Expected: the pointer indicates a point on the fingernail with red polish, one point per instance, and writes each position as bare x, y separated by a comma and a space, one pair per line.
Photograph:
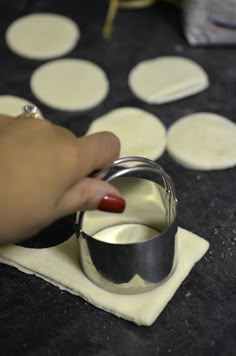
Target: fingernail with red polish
112, 203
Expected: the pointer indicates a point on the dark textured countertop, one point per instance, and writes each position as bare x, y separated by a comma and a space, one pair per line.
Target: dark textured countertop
37, 318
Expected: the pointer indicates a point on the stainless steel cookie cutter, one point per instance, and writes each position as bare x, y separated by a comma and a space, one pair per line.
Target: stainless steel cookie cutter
131, 252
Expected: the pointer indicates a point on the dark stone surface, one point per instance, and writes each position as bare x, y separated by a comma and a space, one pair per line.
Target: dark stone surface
38, 319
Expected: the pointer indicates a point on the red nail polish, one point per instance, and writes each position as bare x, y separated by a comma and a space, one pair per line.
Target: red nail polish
112, 204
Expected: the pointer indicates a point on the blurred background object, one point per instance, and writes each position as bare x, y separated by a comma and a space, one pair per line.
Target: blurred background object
210, 22
205, 22
115, 5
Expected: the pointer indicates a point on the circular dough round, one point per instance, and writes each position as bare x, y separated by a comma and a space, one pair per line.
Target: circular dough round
164, 79
42, 36
204, 141
12, 105
141, 133
69, 84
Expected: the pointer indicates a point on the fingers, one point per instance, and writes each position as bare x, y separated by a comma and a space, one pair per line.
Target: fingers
96, 152
90, 194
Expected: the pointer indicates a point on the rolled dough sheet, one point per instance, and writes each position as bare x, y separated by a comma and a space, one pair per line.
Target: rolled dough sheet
12, 105
204, 141
140, 132
59, 265
165, 79
70, 84
42, 35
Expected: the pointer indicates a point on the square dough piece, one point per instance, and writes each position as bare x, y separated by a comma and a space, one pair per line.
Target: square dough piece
61, 268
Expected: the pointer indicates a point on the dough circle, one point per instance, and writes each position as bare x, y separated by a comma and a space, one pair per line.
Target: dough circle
12, 105
69, 84
164, 79
42, 36
140, 132
204, 141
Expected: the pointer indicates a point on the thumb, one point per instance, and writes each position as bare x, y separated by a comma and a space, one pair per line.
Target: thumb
91, 194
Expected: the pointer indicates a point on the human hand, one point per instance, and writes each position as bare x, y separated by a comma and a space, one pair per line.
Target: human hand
44, 172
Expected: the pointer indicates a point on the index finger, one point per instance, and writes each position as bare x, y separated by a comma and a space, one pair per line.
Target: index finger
97, 151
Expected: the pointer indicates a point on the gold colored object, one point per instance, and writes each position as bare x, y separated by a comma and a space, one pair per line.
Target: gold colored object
29, 112
135, 4
114, 5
